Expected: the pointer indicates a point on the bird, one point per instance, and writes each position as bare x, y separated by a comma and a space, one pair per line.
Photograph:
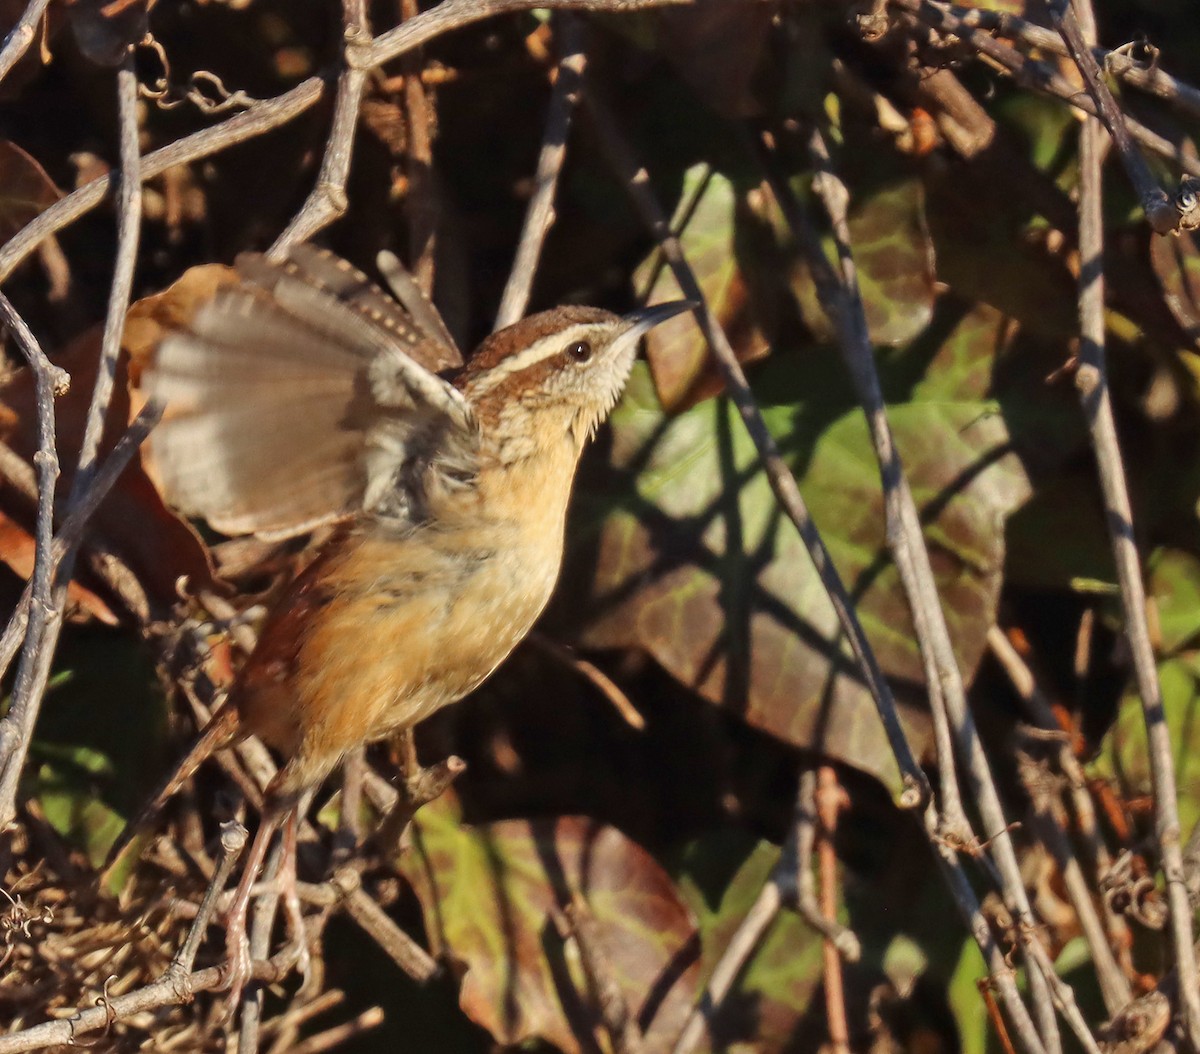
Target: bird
303, 395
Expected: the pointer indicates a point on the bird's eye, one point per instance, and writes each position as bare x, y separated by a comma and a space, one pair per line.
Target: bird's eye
580, 351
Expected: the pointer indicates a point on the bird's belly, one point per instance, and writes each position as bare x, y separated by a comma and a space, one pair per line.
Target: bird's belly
392, 649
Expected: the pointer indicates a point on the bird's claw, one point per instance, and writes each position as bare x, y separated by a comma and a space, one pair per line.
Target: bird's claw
296, 927
237, 968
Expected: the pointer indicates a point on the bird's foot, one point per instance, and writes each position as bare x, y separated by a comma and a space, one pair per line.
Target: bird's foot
295, 918
238, 965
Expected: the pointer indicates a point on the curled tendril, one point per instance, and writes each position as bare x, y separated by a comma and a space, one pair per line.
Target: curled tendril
205, 90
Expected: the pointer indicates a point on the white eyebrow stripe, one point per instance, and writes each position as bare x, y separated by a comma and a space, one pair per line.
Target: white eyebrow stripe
543, 349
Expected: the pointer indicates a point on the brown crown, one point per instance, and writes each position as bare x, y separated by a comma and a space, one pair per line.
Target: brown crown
521, 335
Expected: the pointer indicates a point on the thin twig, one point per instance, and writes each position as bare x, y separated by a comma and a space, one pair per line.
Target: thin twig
790, 882
34, 669
621, 1025
1113, 985
420, 206
604, 684
1091, 379
261, 117
327, 201
21, 36
266, 907
71, 532
1039, 76
398, 945
167, 991
233, 841
636, 181
1000, 972
837, 299
1039, 783
539, 216
738, 952
828, 806
338, 1035
906, 541
1064, 999
1145, 77
1162, 214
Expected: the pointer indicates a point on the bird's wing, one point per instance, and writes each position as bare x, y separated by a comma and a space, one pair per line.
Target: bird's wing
296, 398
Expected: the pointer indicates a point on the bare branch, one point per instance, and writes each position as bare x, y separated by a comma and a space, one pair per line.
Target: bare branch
1145, 77
233, 841
907, 544
167, 991
636, 182
21, 35
271, 113
70, 535
420, 204
16, 731
790, 883
375, 922
539, 217
1091, 379
1039, 76
328, 201
1160, 210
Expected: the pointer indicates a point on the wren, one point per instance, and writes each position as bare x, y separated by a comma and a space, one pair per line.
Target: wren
305, 395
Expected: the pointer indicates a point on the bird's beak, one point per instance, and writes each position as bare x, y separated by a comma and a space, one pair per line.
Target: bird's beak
645, 319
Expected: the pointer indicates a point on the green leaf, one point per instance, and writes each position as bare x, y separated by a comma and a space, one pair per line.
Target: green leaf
1174, 586
489, 894
774, 992
895, 260
715, 222
71, 806
694, 562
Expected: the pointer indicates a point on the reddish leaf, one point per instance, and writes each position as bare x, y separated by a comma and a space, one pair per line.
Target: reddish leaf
489, 895
17, 550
